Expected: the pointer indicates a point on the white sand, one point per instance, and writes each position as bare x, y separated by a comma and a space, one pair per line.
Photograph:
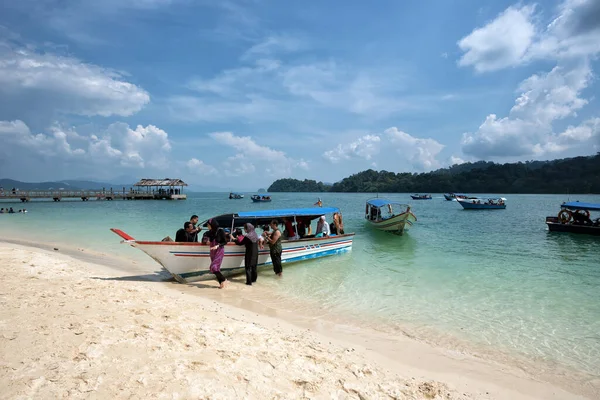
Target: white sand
67, 331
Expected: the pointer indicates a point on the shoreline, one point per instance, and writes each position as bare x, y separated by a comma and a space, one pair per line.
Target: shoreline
462, 373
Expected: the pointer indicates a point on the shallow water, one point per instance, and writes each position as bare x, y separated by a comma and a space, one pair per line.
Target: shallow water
494, 279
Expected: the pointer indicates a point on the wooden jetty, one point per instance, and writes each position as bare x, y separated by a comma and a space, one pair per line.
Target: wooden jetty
145, 189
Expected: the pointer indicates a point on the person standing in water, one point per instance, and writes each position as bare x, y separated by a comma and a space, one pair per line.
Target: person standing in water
250, 240
274, 239
216, 237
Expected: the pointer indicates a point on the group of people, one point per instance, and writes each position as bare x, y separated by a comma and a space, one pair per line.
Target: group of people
217, 238
11, 211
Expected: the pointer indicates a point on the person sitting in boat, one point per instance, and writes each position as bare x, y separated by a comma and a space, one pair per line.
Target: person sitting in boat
581, 218
301, 228
11, 211
290, 230
319, 203
2, 210
185, 234
337, 226
322, 228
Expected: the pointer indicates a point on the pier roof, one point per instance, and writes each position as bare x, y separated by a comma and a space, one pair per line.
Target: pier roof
160, 182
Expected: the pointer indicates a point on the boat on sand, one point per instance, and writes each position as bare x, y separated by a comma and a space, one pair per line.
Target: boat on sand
189, 262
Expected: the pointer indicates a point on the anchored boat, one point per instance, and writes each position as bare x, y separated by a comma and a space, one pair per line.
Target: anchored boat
483, 204
421, 196
235, 196
261, 198
574, 217
189, 262
389, 216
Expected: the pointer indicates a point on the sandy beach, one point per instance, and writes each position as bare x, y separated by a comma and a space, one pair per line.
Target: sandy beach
77, 329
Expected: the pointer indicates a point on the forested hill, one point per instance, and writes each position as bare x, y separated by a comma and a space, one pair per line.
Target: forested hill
295, 185
571, 175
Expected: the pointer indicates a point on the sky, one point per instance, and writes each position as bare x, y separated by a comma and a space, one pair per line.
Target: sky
237, 93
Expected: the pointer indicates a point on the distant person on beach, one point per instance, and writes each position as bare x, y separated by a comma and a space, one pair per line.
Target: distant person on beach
197, 229
250, 240
218, 241
322, 228
274, 239
185, 234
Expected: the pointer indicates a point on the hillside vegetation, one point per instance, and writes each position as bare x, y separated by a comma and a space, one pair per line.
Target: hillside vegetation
570, 175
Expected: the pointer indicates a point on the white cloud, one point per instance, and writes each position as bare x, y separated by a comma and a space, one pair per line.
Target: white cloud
46, 83
422, 153
571, 39
275, 44
528, 129
266, 86
364, 147
388, 147
117, 148
516, 37
199, 167
252, 157
501, 43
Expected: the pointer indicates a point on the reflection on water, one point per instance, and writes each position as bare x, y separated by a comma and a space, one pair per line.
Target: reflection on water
493, 278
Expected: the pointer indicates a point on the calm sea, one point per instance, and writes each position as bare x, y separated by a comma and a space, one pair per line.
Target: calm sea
494, 280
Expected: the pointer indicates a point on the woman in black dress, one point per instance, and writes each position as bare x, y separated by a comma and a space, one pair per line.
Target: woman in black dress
250, 240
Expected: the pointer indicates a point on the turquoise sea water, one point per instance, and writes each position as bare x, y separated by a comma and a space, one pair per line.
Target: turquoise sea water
491, 279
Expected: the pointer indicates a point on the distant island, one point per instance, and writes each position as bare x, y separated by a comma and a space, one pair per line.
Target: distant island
569, 175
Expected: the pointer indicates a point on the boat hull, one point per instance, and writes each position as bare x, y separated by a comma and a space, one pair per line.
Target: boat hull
554, 225
261, 201
421, 198
190, 262
469, 205
398, 224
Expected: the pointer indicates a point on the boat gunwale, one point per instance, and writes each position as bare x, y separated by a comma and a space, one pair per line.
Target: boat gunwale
160, 243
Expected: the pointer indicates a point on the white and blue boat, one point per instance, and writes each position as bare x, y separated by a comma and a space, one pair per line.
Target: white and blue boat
235, 196
483, 203
190, 262
389, 216
574, 217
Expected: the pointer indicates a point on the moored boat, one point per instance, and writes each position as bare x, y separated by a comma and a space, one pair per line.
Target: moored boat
456, 196
389, 216
477, 203
235, 196
421, 196
574, 217
190, 262
261, 198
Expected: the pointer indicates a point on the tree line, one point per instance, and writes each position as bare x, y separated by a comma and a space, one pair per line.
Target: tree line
570, 175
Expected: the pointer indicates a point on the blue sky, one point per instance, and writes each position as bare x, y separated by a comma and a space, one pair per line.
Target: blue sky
238, 93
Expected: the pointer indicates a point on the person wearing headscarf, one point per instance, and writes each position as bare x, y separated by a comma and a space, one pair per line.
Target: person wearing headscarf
217, 242
273, 237
322, 228
250, 240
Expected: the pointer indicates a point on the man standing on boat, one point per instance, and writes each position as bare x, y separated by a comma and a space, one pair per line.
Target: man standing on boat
194, 221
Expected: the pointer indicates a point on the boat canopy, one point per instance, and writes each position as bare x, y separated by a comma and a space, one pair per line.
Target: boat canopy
382, 202
263, 217
262, 194
576, 205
